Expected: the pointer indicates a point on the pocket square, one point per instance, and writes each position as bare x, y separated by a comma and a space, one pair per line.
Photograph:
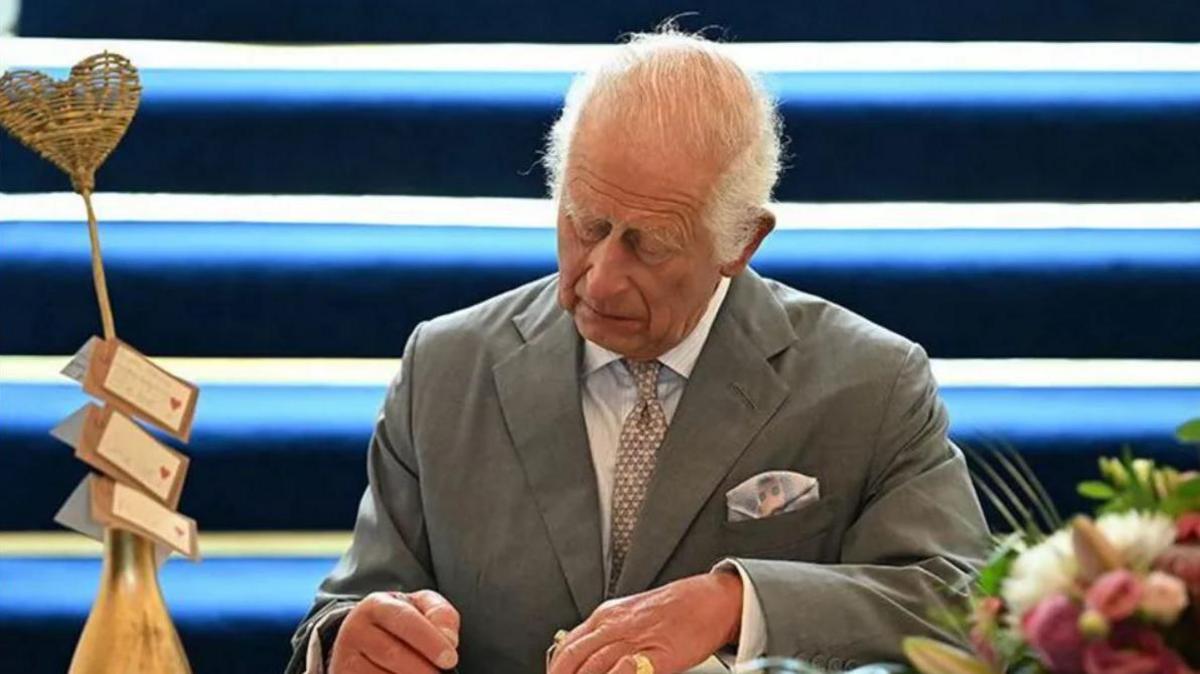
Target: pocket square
771, 493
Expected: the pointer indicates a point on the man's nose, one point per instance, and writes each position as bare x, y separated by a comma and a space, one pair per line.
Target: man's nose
608, 275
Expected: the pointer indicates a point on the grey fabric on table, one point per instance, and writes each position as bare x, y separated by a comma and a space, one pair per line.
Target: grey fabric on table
482, 488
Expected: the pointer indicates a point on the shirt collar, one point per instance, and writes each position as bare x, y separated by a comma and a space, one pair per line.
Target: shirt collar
682, 358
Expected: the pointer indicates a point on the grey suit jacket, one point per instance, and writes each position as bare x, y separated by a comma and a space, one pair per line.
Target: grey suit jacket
482, 486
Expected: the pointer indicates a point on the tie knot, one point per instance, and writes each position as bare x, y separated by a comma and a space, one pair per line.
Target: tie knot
645, 376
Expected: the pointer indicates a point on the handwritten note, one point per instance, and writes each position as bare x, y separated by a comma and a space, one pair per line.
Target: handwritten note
129, 381
140, 456
125, 448
120, 504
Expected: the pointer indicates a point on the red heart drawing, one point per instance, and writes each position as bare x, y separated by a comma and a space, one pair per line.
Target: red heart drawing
175, 403
164, 472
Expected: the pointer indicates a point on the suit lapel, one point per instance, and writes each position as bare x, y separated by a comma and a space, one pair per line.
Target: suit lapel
731, 394
539, 391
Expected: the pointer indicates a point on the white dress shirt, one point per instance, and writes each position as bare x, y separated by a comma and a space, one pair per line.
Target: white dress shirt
609, 395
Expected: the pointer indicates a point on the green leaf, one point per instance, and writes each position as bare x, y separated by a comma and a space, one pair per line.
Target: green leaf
992, 576
1094, 489
1189, 489
1189, 432
1023, 476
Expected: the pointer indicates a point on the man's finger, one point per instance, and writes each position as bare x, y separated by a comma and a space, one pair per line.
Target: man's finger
404, 621
627, 665
359, 663
439, 611
382, 649
575, 650
606, 658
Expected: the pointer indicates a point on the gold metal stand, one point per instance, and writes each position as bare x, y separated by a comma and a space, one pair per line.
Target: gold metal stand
129, 630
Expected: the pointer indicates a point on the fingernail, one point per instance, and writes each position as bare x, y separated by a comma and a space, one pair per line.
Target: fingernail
446, 660
451, 635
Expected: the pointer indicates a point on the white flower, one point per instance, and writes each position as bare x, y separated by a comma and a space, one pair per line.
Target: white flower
1050, 567
1139, 537
1039, 572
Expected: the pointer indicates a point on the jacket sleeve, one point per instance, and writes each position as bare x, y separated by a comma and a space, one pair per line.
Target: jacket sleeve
390, 547
915, 545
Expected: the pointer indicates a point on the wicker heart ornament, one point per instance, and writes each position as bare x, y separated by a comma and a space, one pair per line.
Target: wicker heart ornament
74, 124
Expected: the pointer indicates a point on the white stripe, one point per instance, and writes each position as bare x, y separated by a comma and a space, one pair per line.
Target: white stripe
764, 57
955, 373
276, 544
1056, 373
505, 212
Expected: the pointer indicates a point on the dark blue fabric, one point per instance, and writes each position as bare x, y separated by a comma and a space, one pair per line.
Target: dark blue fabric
983, 136
233, 614
534, 21
308, 444
255, 289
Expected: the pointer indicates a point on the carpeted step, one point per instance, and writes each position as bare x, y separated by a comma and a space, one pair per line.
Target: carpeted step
329, 290
530, 21
854, 135
292, 455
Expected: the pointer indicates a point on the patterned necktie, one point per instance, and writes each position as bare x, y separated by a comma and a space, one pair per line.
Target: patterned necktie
641, 435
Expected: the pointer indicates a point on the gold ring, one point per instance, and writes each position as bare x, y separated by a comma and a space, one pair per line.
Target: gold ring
643, 664
559, 637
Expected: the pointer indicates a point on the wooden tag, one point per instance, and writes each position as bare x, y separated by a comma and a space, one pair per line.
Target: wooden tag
130, 382
116, 445
119, 505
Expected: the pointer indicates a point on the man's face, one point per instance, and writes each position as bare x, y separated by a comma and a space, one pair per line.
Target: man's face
636, 264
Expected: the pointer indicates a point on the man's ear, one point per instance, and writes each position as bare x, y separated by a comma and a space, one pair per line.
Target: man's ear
764, 222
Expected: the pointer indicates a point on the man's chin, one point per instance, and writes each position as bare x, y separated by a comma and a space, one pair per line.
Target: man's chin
618, 338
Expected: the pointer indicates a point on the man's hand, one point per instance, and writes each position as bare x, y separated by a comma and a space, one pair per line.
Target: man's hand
677, 627
395, 633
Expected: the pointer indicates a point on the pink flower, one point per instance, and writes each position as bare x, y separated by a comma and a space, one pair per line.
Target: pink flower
1132, 650
1164, 597
1183, 562
1052, 629
1187, 528
1115, 595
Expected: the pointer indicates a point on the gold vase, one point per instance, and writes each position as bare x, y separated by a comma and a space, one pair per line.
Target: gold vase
129, 630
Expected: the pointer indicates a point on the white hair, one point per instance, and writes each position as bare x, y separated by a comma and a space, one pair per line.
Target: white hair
683, 88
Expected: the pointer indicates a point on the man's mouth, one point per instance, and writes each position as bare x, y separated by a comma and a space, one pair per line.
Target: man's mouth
591, 308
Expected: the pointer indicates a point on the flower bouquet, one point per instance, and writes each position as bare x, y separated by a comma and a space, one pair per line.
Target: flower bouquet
1118, 594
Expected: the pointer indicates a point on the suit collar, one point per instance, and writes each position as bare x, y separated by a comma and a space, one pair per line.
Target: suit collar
539, 390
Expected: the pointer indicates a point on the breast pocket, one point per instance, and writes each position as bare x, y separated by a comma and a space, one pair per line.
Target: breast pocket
795, 535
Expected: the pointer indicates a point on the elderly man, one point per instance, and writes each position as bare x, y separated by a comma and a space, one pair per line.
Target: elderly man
568, 456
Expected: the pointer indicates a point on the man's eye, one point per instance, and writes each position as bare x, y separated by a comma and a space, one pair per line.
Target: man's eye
652, 249
594, 231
